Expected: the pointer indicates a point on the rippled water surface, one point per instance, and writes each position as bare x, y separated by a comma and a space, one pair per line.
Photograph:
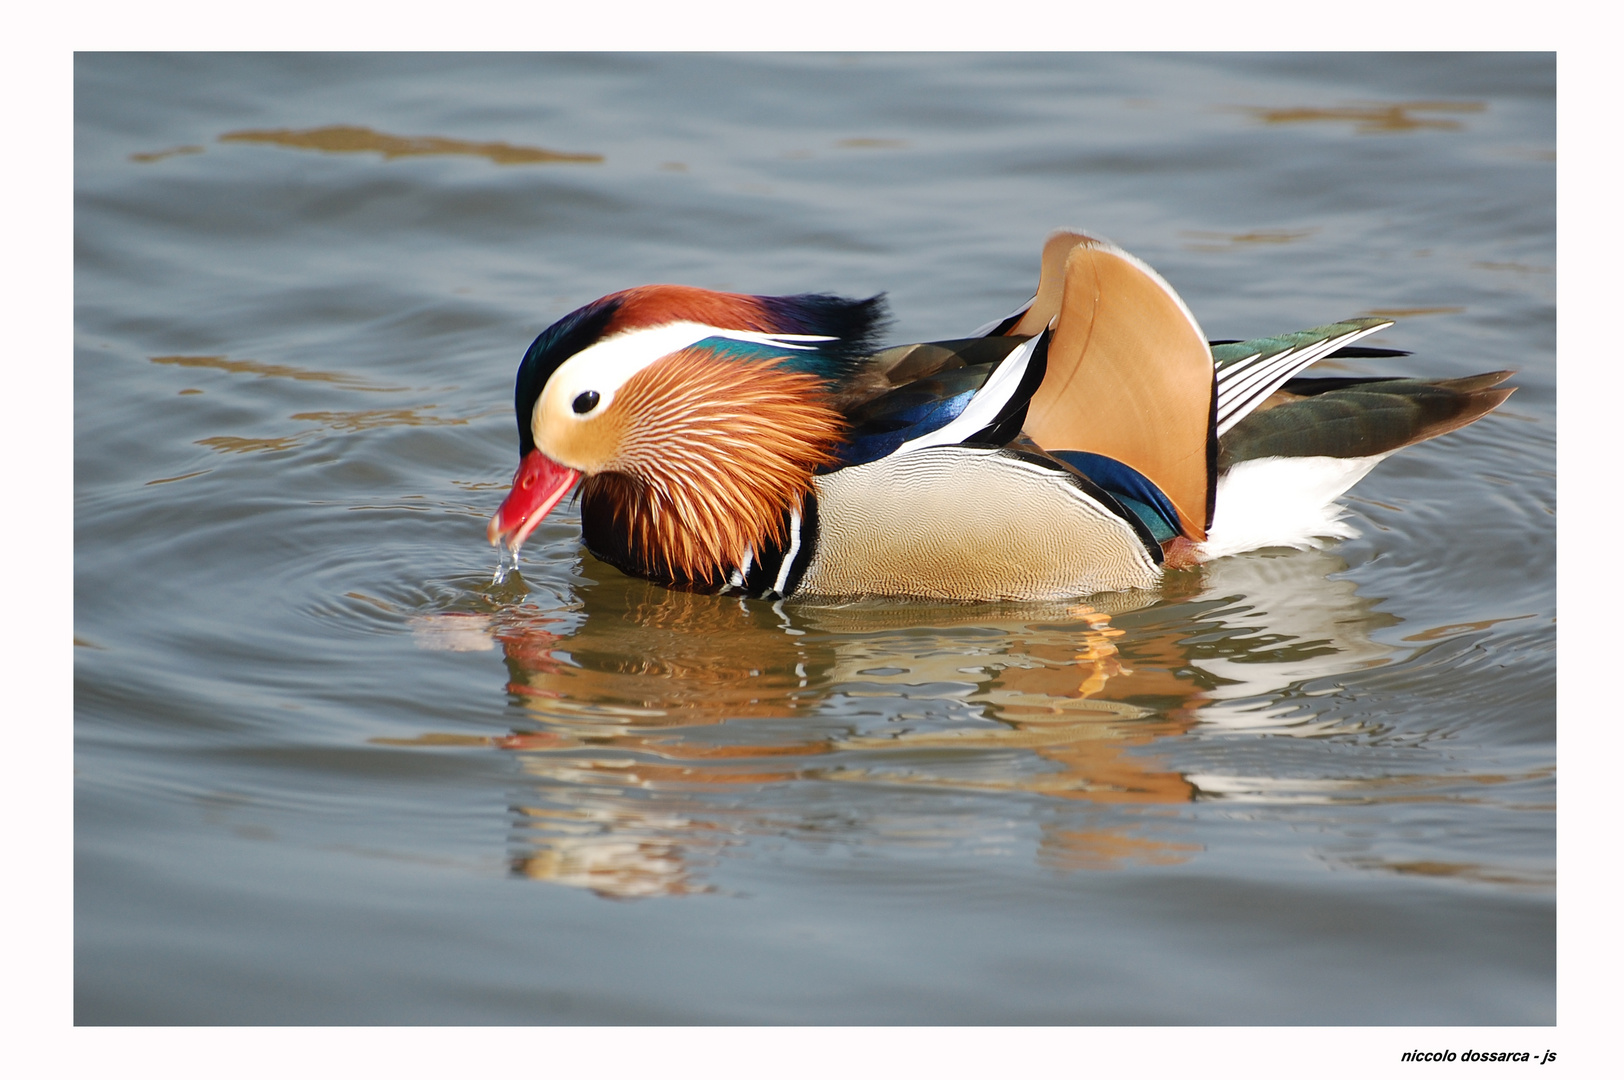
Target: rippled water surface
326, 771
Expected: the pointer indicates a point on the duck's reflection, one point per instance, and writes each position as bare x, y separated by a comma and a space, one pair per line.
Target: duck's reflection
667, 726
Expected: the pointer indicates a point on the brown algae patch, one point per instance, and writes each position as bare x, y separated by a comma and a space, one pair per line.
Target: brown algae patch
232, 444
1221, 241
1411, 312
1375, 118
160, 155
366, 419
172, 479
352, 139
272, 371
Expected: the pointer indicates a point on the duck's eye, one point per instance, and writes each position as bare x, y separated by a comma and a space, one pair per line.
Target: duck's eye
585, 402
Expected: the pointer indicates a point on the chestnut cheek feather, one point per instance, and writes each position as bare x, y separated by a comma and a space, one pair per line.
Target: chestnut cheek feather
718, 452
537, 487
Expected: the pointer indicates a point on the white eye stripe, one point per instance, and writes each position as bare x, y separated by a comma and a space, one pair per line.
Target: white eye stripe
604, 366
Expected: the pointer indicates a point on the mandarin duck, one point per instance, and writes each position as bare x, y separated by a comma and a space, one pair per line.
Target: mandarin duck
763, 445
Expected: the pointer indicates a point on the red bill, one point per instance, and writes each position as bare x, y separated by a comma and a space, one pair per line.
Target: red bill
537, 487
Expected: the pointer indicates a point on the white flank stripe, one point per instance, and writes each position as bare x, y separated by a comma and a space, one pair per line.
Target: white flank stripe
789, 556
985, 406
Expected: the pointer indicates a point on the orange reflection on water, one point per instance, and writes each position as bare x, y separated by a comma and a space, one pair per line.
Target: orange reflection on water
618, 852
1540, 878
352, 139
648, 711
666, 727
1108, 849
1438, 633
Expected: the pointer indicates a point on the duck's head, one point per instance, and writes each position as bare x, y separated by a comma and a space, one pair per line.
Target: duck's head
699, 416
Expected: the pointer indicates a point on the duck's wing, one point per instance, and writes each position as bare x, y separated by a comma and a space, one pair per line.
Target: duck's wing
1131, 379
1129, 374
1250, 371
972, 391
1037, 313
1359, 417
1136, 398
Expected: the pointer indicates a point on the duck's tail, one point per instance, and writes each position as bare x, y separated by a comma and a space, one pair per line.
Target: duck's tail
1282, 467
1248, 454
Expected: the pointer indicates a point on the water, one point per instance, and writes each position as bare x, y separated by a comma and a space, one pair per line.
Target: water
328, 771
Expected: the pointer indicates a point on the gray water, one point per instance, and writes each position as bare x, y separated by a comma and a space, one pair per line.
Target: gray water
327, 772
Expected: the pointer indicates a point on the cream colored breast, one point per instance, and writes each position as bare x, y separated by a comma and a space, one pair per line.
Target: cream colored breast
955, 523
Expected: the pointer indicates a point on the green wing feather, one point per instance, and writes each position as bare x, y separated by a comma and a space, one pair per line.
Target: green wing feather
1349, 418
1231, 353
